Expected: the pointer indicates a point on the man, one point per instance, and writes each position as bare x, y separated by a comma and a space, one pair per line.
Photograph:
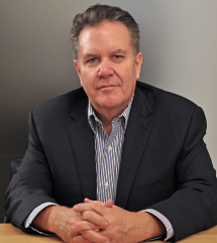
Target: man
119, 160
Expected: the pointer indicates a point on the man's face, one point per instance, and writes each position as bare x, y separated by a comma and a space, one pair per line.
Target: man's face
107, 67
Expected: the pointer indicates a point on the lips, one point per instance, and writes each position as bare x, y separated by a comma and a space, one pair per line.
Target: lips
107, 86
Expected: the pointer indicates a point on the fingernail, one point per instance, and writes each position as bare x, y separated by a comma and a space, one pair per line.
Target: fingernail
76, 207
75, 240
105, 223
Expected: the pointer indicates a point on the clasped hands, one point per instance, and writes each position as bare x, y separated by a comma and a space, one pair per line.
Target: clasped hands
97, 222
101, 222
107, 223
93, 225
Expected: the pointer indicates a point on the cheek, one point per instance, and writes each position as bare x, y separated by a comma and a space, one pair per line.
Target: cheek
84, 80
130, 83
130, 78
88, 78
88, 85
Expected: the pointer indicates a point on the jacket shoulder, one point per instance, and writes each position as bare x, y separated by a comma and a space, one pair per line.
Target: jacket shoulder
165, 99
62, 105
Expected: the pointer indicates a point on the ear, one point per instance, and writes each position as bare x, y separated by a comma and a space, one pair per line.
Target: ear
76, 64
138, 64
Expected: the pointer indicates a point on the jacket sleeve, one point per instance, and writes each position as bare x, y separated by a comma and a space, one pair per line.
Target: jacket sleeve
32, 184
193, 206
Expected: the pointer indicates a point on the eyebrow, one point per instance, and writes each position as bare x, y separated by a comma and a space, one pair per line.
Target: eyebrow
119, 51
88, 55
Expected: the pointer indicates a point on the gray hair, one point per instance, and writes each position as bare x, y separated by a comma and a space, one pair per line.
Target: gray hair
98, 13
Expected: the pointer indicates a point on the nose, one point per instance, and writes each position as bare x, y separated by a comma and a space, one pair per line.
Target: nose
105, 69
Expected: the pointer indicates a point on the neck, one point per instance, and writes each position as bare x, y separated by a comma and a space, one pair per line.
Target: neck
106, 117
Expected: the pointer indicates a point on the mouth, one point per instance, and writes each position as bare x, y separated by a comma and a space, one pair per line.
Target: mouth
107, 86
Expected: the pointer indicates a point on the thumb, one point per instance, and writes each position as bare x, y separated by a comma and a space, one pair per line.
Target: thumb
87, 200
109, 203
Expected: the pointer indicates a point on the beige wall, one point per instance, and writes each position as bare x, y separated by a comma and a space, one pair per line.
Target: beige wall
178, 42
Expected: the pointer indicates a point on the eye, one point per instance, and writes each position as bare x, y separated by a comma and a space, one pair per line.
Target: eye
117, 56
91, 60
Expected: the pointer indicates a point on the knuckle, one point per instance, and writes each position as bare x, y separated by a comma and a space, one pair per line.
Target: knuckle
86, 215
94, 206
86, 234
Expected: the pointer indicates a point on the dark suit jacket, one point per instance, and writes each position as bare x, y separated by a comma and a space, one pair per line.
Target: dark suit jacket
164, 165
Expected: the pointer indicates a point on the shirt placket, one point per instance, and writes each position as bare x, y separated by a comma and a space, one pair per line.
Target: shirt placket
107, 185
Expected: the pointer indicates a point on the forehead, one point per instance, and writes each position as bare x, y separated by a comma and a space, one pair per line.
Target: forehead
105, 35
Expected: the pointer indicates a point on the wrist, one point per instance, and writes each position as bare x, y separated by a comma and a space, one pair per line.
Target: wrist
151, 226
46, 219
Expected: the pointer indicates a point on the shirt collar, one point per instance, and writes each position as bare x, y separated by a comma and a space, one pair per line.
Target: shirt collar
92, 114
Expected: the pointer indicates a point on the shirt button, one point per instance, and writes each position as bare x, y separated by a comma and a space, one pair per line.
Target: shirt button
106, 185
109, 148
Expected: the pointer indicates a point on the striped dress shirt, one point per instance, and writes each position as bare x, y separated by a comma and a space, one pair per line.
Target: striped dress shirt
108, 152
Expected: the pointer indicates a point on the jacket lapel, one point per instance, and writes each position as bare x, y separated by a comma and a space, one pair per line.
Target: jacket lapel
136, 135
82, 142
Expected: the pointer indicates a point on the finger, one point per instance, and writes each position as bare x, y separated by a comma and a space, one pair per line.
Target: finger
95, 219
87, 200
109, 203
74, 230
80, 239
91, 206
91, 236
84, 225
